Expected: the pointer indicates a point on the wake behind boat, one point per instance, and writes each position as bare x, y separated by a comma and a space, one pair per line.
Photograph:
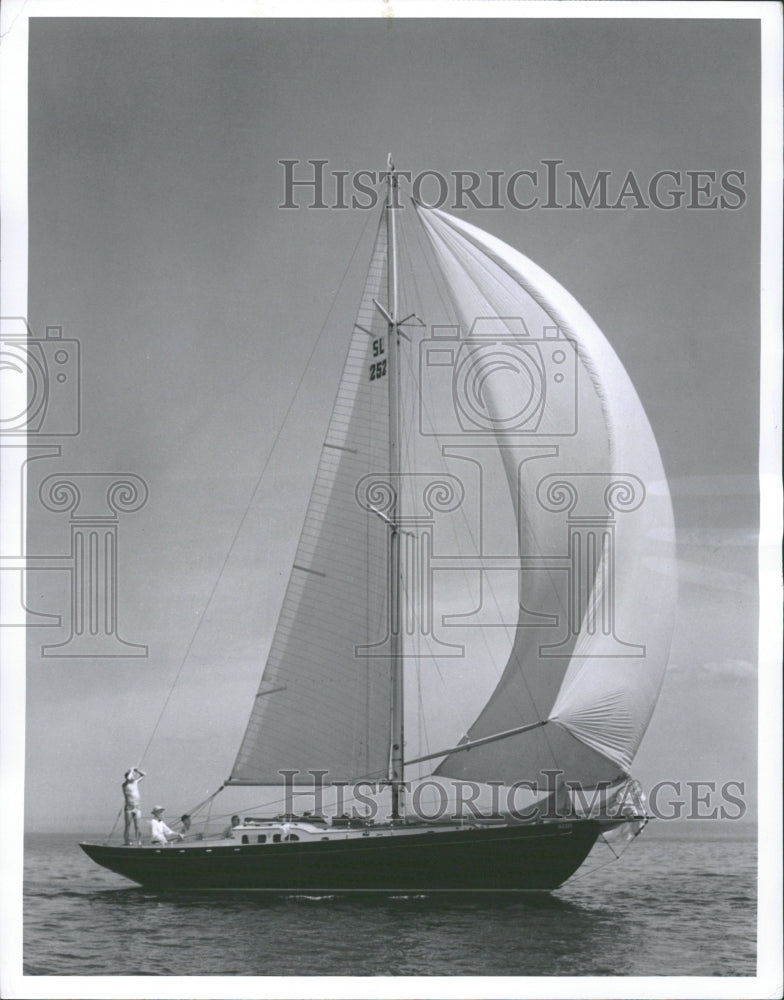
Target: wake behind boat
481, 601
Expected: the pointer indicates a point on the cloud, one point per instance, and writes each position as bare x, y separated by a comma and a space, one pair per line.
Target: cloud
714, 486
715, 669
728, 668
712, 578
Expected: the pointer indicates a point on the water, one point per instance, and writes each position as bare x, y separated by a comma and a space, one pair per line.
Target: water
668, 907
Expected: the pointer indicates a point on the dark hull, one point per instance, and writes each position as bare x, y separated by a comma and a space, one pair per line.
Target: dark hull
535, 857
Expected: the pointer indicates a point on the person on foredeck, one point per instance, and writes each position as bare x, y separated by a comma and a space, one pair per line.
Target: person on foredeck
132, 809
159, 831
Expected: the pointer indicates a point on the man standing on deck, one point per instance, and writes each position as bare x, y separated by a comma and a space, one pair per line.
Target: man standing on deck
133, 812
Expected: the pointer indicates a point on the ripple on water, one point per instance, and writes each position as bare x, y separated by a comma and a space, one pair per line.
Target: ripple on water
663, 909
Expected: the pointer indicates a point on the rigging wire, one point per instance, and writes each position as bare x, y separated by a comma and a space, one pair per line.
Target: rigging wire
616, 856
114, 825
409, 447
410, 443
255, 490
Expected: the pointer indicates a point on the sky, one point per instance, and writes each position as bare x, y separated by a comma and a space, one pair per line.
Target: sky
156, 239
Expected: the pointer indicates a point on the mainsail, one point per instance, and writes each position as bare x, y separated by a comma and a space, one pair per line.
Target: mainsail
321, 706
531, 394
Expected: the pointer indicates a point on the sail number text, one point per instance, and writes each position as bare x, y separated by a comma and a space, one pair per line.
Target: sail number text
378, 369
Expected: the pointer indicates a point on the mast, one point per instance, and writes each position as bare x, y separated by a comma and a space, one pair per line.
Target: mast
397, 721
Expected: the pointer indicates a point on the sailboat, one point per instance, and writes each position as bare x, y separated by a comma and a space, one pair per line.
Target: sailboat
489, 528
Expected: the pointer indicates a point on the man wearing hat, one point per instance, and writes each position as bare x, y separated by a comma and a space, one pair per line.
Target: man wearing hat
160, 833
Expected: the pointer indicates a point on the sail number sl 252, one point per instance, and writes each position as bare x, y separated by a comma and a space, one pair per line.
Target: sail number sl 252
378, 369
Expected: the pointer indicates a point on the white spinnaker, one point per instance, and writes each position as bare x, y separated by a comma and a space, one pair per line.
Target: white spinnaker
597, 684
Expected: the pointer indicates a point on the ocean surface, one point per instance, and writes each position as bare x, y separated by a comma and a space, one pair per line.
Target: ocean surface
667, 907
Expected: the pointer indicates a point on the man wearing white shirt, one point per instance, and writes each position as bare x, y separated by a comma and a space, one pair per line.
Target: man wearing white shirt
159, 831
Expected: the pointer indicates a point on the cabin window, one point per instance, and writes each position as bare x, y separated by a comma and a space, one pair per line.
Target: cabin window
291, 836
325, 838
262, 838
244, 839
275, 838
